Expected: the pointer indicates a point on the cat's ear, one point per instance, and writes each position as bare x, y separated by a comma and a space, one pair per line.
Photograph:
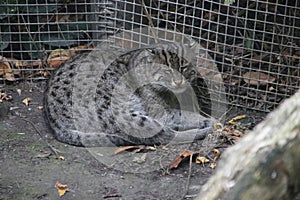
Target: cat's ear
187, 70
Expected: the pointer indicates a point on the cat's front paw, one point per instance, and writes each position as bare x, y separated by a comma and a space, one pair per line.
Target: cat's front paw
207, 123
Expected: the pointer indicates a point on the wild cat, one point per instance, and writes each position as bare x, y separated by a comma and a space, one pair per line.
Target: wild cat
141, 97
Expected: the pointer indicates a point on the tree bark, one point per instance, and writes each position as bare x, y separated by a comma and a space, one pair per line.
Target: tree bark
265, 164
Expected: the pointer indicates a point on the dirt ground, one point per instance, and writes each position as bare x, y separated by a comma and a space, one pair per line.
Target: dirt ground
30, 170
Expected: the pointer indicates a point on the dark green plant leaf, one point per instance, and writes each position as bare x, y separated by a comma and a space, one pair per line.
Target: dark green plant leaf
229, 2
249, 43
4, 41
35, 48
7, 7
68, 36
74, 27
40, 6
57, 41
36, 8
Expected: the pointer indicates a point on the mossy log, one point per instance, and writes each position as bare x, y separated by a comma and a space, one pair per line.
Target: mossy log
265, 164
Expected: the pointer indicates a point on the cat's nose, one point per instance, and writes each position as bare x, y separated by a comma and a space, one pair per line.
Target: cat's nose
178, 82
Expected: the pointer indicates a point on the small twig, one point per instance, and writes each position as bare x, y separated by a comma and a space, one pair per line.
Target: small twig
40, 134
51, 17
188, 178
30, 35
191, 196
165, 170
150, 21
111, 196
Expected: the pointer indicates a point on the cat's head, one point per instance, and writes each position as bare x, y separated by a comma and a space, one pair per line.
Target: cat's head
174, 72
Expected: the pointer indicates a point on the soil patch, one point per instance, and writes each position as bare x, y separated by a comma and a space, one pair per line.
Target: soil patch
29, 169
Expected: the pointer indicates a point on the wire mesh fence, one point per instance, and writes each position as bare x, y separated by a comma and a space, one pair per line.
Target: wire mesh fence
254, 44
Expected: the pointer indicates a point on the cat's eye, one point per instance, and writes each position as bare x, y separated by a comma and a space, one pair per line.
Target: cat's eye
152, 51
193, 72
168, 72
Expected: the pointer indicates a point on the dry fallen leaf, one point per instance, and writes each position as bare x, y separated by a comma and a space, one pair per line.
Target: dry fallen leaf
75, 50
45, 73
218, 126
186, 153
4, 66
8, 98
201, 159
151, 148
125, 148
59, 53
63, 18
234, 119
19, 91
232, 134
271, 88
239, 117
5, 69
15, 62
217, 154
213, 165
61, 158
57, 61
5, 97
62, 189
141, 159
43, 155
180, 158
10, 77
58, 57
26, 101
35, 63
258, 78
18, 64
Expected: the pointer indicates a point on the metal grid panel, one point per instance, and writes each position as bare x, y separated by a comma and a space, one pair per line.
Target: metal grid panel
255, 44
31, 30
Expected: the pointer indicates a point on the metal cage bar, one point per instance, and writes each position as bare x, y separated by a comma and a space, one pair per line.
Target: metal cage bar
255, 44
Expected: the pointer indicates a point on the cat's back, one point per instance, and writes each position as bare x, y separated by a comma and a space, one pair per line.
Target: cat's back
69, 98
